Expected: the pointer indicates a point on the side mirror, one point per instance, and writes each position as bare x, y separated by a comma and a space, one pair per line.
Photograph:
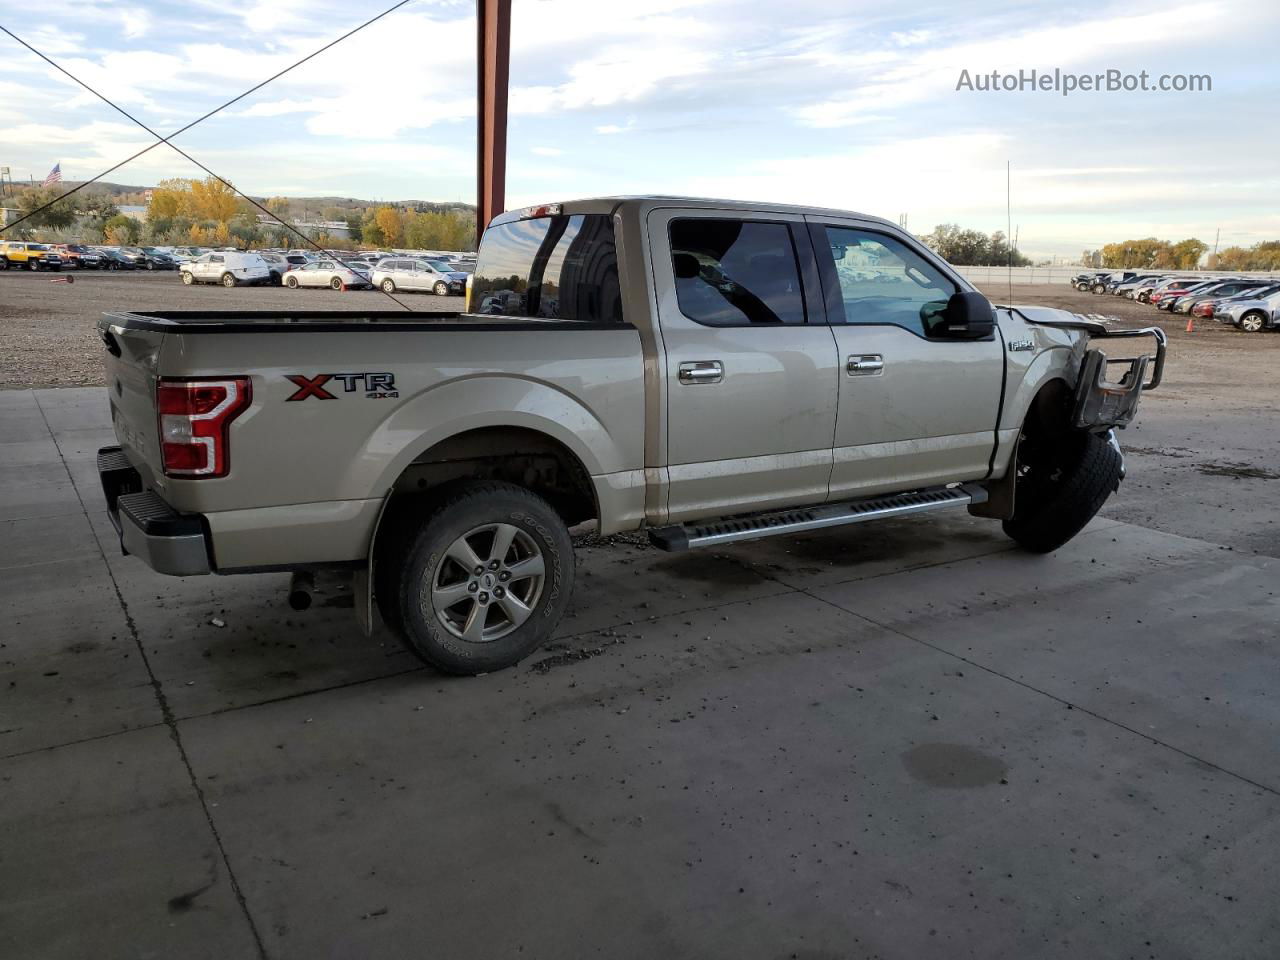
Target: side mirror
967, 316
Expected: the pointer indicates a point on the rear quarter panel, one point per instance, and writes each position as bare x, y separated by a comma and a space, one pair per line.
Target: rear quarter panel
582, 387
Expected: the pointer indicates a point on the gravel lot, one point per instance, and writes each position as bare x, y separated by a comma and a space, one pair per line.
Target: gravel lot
1202, 455
50, 337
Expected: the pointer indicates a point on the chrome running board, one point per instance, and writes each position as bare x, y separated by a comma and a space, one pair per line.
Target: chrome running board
706, 534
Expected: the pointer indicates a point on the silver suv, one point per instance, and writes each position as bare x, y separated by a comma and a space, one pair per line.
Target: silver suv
397, 273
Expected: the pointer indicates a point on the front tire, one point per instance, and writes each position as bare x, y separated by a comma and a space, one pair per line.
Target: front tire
1063, 481
291, 283
484, 580
187, 278
441, 289
1253, 322
335, 283
388, 285
228, 280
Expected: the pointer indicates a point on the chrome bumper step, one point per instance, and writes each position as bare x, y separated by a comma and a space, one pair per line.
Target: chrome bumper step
706, 534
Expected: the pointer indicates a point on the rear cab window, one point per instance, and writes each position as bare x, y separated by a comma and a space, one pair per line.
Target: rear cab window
562, 267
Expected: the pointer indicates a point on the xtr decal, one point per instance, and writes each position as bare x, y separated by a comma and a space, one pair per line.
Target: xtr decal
374, 386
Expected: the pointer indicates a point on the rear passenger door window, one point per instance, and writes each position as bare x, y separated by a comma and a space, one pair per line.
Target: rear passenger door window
731, 273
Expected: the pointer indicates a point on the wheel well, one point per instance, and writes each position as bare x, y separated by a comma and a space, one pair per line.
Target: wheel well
518, 455
1050, 409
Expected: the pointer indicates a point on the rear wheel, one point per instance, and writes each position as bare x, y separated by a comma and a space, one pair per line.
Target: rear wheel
1099, 288
482, 581
1253, 322
228, 280
1063, 479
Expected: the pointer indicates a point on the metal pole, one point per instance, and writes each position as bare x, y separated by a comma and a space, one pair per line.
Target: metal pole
493, 54
1008, 213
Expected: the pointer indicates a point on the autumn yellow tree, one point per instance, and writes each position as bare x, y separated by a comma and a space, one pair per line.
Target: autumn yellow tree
391, 224
214, 200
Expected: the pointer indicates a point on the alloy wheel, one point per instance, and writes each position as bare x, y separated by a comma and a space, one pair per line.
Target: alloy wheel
488, 583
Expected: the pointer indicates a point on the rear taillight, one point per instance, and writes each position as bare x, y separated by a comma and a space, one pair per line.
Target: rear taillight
194, 418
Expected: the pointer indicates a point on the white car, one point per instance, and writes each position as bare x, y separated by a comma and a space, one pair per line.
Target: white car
226, 268
396, 273
327, 273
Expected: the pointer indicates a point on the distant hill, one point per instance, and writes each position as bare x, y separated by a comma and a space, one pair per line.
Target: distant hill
135, 193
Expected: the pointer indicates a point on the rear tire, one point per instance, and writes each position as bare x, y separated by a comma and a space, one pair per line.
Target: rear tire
1063, 481
463, 621
228, 280
1099, 288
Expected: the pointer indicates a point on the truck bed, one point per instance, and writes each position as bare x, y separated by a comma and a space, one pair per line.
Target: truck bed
328, 321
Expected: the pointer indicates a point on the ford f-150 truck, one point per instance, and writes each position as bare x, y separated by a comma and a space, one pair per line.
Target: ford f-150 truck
712, 371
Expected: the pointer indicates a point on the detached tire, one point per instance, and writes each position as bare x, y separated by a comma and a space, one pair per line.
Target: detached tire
482, 581
1060, 490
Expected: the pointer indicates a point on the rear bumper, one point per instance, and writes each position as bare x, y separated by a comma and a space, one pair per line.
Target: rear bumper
165, 540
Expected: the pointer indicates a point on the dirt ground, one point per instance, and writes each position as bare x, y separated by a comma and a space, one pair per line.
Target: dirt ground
50, 337
1202, 455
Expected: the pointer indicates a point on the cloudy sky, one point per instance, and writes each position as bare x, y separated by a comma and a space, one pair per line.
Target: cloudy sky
846, 104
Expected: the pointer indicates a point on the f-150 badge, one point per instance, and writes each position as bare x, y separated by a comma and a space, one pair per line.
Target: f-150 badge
1015, 345
374, 386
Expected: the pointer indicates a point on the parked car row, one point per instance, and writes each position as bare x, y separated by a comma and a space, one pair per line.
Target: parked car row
24, 254
298, 269
1251, 304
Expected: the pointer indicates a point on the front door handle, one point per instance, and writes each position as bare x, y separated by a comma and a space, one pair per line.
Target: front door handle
865, 365
702, 371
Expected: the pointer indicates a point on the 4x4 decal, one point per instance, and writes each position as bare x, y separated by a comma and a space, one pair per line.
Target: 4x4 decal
375, 386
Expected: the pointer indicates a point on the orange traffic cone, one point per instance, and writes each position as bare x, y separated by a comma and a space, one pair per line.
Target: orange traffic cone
1191, 324
62, 279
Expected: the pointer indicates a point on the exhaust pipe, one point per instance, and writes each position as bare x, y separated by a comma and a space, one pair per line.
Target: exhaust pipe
301, 585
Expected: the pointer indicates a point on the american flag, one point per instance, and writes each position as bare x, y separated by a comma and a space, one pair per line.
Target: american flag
54, 175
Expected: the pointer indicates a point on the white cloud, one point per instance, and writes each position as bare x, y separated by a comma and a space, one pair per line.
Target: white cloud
912, 76
546, 151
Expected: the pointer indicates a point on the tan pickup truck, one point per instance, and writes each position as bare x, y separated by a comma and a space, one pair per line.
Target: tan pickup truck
712, 371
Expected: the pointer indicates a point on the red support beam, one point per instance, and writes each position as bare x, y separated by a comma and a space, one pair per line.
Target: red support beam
493, 55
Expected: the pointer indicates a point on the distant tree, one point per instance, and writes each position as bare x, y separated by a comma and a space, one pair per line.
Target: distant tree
391, 225
58, 215
354, 230
121, 230
214, 200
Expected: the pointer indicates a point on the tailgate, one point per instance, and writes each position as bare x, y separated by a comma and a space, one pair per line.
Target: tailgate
132, 359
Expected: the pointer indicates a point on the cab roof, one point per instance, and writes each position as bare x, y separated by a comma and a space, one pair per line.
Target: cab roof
643, 203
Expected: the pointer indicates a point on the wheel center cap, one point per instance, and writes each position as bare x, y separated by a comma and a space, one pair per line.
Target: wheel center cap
488, 580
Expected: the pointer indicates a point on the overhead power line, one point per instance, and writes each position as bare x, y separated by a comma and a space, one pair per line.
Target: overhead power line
168, 140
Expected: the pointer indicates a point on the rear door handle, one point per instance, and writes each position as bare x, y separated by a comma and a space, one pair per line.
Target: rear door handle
702, 371
865, 365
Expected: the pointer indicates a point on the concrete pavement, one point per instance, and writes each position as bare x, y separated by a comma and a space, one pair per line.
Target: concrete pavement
902, 740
